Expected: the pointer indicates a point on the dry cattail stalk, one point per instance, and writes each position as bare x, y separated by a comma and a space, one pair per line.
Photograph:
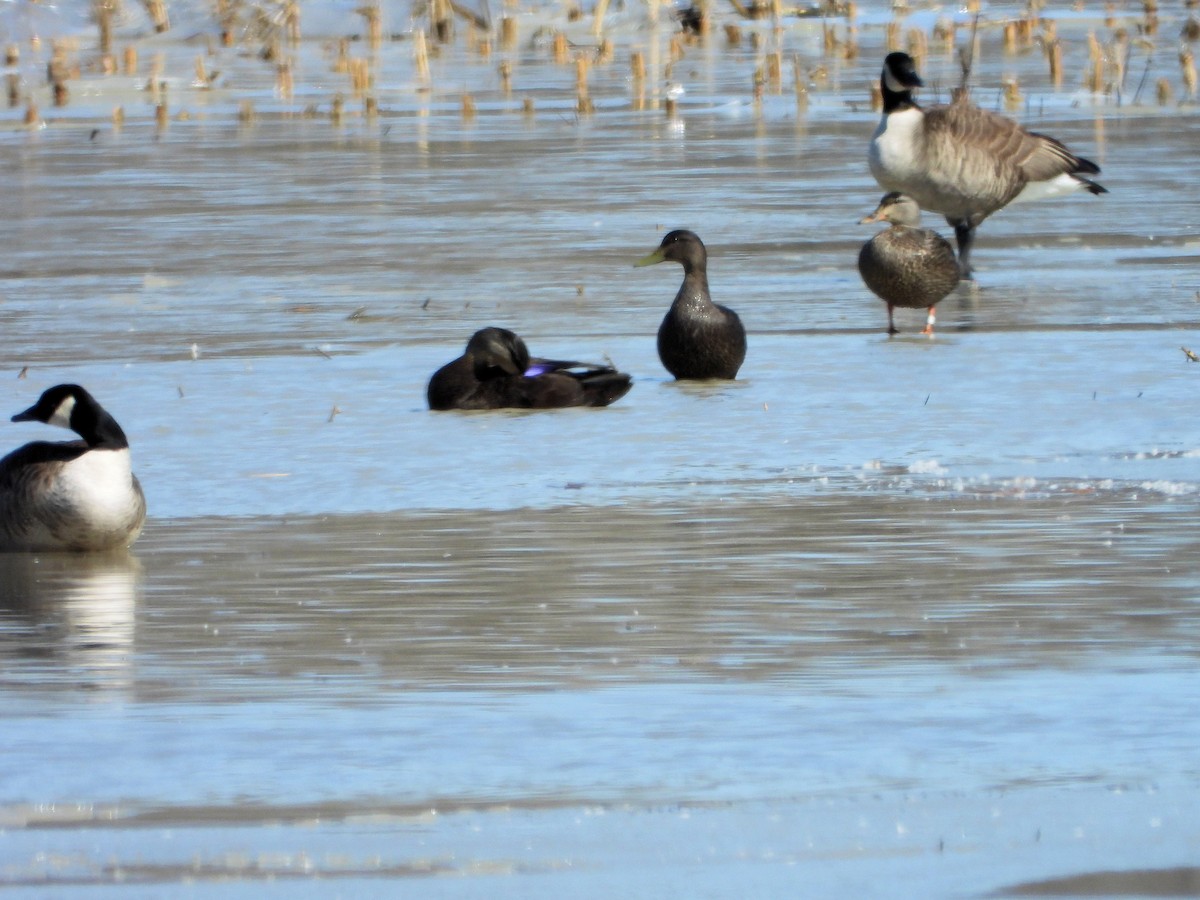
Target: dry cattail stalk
1054, 53
12, 55
800, 84
893, 35
118, 117
420, 55
676, 51
1012, 94
443, 24
850, 44
583, 103
505, 70
508, 33
61, 94
341, 60
1095, 74
13, 84
158, 15
374, 22
59, 68
1163, 90
102, 11
246, 112
201, 73
291, 21
598, 19
733, 35
130, 60
637, 71
527, 107
360, 76
775, 72
561, 48
161, 116
284, 82
918, 46
945, 32
337, 109
370, 108
1187, 62
830, 42
1010, 37
468, 107
876, 97
756, 41
32, 117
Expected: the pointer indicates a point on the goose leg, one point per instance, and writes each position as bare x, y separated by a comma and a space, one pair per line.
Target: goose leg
892, 329
964, 235
929, 320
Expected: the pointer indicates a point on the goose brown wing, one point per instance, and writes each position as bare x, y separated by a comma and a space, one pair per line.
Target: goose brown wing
975, 154
1048, 157
1037, 157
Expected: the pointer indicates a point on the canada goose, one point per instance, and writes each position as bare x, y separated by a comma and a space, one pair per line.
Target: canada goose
906, 265
697, 338
74, 495
962, 161
496, 372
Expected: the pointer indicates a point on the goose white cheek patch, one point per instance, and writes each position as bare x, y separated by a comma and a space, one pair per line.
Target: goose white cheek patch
62, 415
892, 84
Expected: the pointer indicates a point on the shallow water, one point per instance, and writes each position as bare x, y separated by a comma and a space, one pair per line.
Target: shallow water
884, 617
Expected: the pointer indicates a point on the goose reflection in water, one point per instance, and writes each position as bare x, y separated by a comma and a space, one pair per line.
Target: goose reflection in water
69, 618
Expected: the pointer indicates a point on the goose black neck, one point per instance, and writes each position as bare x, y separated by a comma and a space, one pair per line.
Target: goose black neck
98, 429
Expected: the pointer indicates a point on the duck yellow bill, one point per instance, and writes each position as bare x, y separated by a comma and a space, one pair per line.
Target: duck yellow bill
650, 259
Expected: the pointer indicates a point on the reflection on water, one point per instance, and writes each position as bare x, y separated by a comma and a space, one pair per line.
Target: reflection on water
69, 619
732, 591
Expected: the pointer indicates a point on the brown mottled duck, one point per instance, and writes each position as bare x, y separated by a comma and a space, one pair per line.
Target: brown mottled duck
906, 265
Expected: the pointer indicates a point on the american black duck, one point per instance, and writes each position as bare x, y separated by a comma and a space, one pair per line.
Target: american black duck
697, 338
497, 372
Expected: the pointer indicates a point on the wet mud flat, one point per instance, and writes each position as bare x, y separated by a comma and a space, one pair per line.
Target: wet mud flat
917, 695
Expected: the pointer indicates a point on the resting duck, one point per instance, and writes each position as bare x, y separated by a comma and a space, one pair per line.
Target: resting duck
497, 372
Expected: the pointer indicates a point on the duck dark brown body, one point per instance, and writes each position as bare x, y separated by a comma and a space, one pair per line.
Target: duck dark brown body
497, 372
697, 338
